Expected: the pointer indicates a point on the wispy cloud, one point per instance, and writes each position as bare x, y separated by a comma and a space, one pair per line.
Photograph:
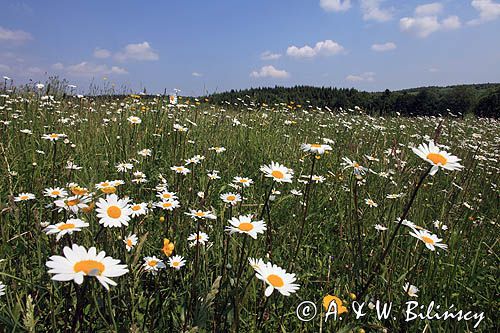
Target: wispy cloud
270, 71
102, 53
88, 69
14, 35
384, 47
196, 74
140, 51
365, 77
372, 11
326, 48
426, 21
335, 5
488, 11
268, 55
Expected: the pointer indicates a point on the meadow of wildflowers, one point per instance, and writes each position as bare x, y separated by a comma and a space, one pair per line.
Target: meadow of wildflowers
148, 214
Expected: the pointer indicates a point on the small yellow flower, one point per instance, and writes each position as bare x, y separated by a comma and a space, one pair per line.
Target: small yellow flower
328, 299
162, 219
108, 189
168, 247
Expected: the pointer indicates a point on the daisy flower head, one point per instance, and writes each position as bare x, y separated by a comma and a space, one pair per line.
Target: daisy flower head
134, 120
137, 209
153, 264
24, 197
256, 263
55, 192
53, 136
144, 152
124, 166
357, 168
371, 203
64, 228
130, 241
165, 195
278, 172
380, 227
315, 148
431, 241
411, 290
176, 262
276, 278
77, 263
73, 204
113, 212
242, 181
230, 198
199, 214
168, 204
180, 169
243, 224
200, 238
437, 158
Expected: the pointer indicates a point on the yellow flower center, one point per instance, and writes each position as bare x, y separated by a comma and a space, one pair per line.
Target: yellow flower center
73, 202
427, 240
199, 214
437, 158
108, 189
79, 191
152, 263
244, 180
245, 226
167, 204
176, 263
231, 198
135, 208
89, 267
278, 174
66, 226
23, 197
129, 242
105, 184
315, 145
55, 192
166, 195
275, 281
114, 212
54, 136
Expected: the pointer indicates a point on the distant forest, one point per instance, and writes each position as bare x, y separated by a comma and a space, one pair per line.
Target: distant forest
482, 100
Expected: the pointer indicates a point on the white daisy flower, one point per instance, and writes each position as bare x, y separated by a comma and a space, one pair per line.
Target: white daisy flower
199, 214
176, 262
278, 172
315, 148
64, 228
73, 204
431, 241
244, 224
243, 181
153, 264
112, 211
411, 290
138, 209
201, 238
24, 197
276, 278
130, 241
55, 192
168, 204
230, 198
78, 263
437, 157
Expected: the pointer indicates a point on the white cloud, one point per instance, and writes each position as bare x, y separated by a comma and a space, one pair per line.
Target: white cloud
372, 11
58, 66
4, 68
425, 21
365, 77
335, 5
14, 35
326, 48
140, 51
270, 71
102, 53
429, 9
90, 69
196, 74
268, 55
384, 47
488, 11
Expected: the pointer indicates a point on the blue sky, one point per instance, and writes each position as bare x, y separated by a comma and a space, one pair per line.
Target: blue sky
218, 45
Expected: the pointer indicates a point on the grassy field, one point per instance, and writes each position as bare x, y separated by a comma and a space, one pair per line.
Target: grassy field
334, 225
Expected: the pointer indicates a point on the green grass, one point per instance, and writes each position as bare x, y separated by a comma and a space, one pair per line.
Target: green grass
329, 260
